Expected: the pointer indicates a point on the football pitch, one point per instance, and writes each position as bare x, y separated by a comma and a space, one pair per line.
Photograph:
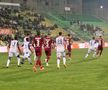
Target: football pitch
91, 74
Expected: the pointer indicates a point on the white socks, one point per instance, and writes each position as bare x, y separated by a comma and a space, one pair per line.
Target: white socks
29, 60
18, 61
8, 62
64, 60
58, 63
86, 55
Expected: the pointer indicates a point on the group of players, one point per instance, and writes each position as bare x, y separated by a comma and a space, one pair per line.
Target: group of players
61, 44
36, 45
95, 45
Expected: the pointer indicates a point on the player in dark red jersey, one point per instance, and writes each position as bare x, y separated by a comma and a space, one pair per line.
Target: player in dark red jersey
47, 47
100, 46
37, 44
68, 45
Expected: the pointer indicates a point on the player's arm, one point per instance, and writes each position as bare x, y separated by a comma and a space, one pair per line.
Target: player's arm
33, 43
18, 47
103, 43
71, 40
54, 43
30, 48
8, 46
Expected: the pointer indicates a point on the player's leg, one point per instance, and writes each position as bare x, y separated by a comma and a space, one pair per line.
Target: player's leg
29, 60
34, 54
48, 55
23, 58
9, 59
69, 51
36, 61
101, 50
58, 59
89, 51
18, 58
97, 53
94, 54
64, 59
8, 62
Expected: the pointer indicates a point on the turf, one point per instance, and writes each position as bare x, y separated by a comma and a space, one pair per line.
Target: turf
91, 74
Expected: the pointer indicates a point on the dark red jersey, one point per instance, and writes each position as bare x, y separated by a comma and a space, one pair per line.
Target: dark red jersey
38, 41
101, 44
47, 43
68, 41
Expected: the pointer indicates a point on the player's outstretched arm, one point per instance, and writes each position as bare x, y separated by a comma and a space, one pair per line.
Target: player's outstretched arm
18, 47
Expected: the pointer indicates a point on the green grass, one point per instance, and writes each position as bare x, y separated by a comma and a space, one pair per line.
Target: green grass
91, 74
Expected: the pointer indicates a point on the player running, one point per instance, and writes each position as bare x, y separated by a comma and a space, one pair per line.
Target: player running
93, 45
26, 51
60, 49
100, 46
13, 50
47, 47
37, 44
68, 45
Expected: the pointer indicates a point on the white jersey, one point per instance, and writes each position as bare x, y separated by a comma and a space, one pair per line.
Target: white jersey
92, 44
13, 45
26, 46
26, 50
60, 43
13, 50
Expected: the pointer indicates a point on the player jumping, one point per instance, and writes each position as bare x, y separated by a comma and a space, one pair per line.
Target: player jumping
27, 51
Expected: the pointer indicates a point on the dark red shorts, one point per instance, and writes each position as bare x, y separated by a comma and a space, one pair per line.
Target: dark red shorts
48, 52
69, 48
38, 51
100, 48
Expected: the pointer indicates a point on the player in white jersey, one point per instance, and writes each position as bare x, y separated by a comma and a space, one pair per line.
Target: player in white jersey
60, 49
13, 50
26, 51
93, 45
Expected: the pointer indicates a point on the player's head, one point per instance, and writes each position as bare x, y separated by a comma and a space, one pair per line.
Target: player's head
16, 38
27, 34
100, 36
93, 38
27, 39
38, 33
42, 34
49, 34
68, 35
60, 33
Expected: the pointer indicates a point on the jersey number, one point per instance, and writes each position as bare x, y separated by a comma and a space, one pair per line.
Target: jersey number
59, 41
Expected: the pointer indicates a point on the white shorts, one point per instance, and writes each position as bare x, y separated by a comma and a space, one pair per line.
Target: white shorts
61, 54
11, 53
26, 54
91, 49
